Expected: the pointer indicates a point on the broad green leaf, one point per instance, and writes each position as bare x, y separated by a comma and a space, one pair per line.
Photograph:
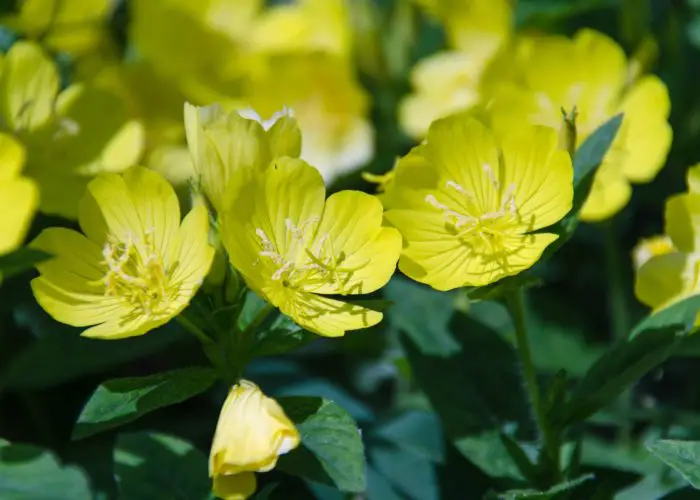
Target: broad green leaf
424, 315
411, 475
488, 451
549, 494
477, 389
620, 367
119, 401
30, 473
682, 456
332, 451
282, 336
679, 317
417, 432
19, 261
60, 355
152, 466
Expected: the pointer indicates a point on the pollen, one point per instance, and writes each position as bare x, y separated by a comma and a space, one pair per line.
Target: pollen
137, 274
309, 260
485, 229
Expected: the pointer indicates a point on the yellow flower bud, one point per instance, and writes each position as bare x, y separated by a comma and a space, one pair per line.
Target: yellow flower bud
253, 431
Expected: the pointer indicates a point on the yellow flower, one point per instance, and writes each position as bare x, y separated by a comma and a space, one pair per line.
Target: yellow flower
252, 432
74, 26
295, 248
70, 136
19, 196
672, 271
200, 46
329, 104
135, 268
588, 72
651, 247
227, 148
304, 26
468, 214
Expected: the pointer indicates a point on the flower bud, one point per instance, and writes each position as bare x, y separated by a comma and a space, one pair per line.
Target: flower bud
253, 431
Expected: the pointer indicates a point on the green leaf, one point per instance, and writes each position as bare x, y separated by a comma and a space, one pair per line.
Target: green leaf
411, 475
589, 156
332, 451
623, 365
417, 432
282, 336
477, 389
152, 466
549, 494
19, 261
488, 451
119, 401
682, 456
679, 317
30, 473
423, 314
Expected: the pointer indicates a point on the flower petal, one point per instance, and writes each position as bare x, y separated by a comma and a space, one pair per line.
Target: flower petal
12, 156
541, 175
19, 199
610, 192
682, 220
325, 316
194, 253
461, 149
234, 486
663, 279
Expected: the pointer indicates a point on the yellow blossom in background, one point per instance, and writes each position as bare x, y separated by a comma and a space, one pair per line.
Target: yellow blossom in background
73, 26
304, 26
227, 148
252, 432
671, 271
590, 73
648, 248
134, 268
468, 218
70, 136
295, 248
19, 196
201, 46
329, 104
451, 81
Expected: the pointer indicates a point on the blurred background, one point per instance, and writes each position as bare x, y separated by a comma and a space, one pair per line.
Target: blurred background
345, 68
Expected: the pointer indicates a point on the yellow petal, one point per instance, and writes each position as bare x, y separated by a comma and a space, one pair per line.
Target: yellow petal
157, 207
226, 149
436, 257
682, 219
285, 138
646, 135
609, 194
693, 178
195, 254
662, 279
28, 87
325, 316
19, 199
234, 486
251, 433
460, 148
12, 156
541, 174
350, 234
123, 327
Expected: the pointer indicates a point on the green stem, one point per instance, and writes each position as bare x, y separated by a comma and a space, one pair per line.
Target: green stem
258, 320
550, 447
619, 317
193, 329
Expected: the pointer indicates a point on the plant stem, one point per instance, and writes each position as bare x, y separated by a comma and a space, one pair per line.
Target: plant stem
193, 329
619, 318
258, 320
550, 447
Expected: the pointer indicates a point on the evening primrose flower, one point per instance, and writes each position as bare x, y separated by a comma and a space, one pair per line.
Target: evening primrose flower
227, 148
588, 73
19, 195
651, 247
70, 136
295, 248
672, 271
252, 432
135, 268
470, 218
329, 104
451, 81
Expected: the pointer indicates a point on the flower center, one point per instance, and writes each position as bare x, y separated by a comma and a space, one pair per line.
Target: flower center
309, 262
485, 231
137, 274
